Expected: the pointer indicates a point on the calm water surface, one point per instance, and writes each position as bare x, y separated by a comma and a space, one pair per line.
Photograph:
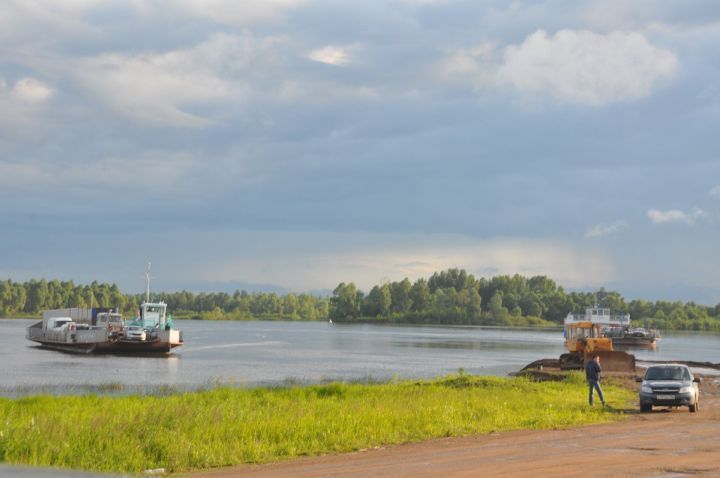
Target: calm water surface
261, 352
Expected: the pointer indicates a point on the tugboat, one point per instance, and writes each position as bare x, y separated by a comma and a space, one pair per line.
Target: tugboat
97, 330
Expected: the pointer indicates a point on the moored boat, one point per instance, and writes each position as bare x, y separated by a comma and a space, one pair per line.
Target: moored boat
617, 327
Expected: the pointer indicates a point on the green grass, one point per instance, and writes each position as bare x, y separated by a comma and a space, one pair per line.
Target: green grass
227, 426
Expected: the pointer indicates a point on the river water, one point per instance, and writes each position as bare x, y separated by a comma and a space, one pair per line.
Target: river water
263, 352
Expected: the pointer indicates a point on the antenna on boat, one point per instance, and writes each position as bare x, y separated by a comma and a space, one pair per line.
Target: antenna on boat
147, 279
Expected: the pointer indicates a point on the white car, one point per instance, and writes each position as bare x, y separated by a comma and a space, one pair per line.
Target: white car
669, 385
135, 332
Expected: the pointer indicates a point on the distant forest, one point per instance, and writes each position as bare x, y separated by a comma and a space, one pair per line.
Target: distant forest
448, 297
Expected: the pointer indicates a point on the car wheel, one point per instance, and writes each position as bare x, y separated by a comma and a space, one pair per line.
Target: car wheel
695, 406
645, 408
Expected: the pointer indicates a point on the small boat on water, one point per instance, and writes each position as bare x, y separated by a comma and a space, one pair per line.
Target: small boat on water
103, 330
617, 327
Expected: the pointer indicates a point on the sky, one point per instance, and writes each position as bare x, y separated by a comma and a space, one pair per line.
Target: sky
291, 145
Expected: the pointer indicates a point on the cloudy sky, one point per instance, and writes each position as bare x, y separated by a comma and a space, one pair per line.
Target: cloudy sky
294, 144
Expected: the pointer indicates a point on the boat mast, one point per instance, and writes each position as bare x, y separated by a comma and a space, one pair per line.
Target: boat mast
147, 279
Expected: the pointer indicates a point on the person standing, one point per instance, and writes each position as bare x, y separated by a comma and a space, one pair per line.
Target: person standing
592, 373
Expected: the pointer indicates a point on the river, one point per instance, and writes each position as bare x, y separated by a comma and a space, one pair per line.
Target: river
264, 352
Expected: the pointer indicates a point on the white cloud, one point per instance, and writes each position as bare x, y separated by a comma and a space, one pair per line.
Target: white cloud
35, 31
586, 68
22, 105
575, 66
675, 215
162, 88
26, 91
226, 12
331, 55
600, 230
30, 90
29, 24
715, 192
476, 66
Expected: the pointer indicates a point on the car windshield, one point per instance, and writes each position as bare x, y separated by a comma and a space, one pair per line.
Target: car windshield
667, 373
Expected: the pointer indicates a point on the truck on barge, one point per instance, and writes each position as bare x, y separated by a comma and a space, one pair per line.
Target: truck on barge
97, 330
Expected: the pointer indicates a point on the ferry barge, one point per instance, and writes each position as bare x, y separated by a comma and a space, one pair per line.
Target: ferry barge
104, 331
97, 330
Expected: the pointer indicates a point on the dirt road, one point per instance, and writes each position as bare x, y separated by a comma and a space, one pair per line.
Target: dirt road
660, 444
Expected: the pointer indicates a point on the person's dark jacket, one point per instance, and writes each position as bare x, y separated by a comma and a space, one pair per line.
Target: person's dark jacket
592, 370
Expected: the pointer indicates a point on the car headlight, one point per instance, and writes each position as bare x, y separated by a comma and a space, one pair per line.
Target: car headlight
685, 389
646, 389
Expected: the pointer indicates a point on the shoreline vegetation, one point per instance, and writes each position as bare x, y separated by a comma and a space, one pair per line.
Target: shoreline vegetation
450, 297
226, 426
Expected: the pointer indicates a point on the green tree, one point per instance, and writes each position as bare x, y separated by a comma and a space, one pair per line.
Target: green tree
469, 303
401, 299
344, 302
306, 306
378, 301
6, 298
456, 278
38, 296
444, 305
290, 305
531, 305
420, 296
498, 313
322, 305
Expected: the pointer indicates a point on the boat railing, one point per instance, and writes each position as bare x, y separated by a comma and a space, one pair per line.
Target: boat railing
599, 319
35, 331
91, 335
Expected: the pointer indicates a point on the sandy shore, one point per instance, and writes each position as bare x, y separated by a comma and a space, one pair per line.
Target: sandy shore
664, 443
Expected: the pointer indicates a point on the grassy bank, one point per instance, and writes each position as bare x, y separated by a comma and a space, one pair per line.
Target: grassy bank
227, 426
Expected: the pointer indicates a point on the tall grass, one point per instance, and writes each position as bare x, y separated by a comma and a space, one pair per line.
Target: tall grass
227, 426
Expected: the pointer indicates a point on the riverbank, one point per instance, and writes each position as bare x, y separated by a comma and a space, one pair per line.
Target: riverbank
661, 443
230, 426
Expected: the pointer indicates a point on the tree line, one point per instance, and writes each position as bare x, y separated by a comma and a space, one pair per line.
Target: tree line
244, 305
452, 296
34, 296
455, 297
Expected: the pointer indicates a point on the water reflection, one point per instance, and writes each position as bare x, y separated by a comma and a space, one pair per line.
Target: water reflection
466, 344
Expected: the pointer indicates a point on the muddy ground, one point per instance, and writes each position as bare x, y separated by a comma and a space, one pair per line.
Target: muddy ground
665, 443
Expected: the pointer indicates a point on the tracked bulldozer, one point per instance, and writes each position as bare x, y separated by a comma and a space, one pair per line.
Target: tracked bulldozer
583, 340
